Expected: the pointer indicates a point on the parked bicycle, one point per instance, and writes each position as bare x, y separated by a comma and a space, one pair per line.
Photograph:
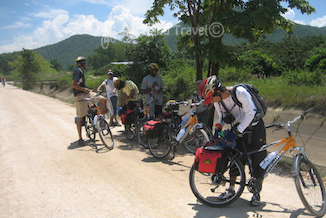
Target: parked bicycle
189, 132
140, 134
96, 123
135, 118
309, 184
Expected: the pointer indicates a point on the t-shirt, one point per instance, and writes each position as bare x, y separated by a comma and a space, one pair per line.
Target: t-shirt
243, 115
130, 85
148, 82
80, 78
109, 85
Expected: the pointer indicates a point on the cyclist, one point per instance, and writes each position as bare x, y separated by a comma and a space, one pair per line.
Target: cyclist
80, 92
153, 85
112, 93
130, 91
229, 112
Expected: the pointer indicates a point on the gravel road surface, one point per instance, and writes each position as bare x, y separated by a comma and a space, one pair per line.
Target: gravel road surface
45, 174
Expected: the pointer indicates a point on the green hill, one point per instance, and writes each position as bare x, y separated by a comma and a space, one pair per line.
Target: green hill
299, 31
68, 50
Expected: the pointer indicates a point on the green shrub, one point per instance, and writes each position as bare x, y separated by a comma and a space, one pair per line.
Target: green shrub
303, 78
234, 74
64, 82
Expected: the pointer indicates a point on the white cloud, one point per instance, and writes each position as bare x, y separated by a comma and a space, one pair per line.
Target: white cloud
290, 14
19, 24
319, 22
50, 13
63, 26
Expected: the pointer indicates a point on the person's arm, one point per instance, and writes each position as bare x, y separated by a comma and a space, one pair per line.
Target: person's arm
248, 108
132, 94
145, 91
99, 88
75, 85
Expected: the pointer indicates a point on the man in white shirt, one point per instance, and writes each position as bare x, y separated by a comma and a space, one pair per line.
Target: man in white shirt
241, 118
112, 95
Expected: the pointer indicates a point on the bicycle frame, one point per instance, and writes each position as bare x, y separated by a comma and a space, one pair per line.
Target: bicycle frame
289, 144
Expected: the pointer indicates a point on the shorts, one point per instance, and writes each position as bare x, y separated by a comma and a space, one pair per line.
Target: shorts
82, 106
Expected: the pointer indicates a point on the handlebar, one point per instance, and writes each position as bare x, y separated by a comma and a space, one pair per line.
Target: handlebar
288, 124
177, 103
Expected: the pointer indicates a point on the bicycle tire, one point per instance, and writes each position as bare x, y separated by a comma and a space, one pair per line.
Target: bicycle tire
130, 131
90, 128
208, 186
105, 133
140, 134
192, 141
310, 186
160, 147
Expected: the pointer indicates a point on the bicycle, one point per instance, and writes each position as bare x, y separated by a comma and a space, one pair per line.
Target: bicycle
136, 117
95, 123
140, 134
189, 132
208, 186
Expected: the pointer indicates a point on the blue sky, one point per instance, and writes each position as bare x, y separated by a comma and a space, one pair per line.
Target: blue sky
32, 23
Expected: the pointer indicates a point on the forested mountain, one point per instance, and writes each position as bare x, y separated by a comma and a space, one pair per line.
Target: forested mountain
69, 49
299, 31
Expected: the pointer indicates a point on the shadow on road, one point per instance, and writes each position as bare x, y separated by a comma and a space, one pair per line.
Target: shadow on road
245, 210
97, 146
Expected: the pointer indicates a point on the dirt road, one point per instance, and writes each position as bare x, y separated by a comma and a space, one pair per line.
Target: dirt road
45, 174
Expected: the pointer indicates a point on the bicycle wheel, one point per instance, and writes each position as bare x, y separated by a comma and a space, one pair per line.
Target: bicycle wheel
140, 134
207, 187
192, 141
130, 131
105, 133
161, 146
310, 186
90, 128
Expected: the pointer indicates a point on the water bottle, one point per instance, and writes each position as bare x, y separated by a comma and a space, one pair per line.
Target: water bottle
94, 120
264, 164
181, 134
184, 121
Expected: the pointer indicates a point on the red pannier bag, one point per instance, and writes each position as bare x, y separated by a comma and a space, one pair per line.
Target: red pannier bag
125, 115
206, 160
152, 128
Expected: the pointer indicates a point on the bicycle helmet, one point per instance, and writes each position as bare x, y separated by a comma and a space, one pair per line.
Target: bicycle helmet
153, 66
119, 84
81, 60
209, 87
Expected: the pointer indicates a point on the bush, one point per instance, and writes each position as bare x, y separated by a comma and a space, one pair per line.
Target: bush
234, 74
303, 78
179, 80
260, 63
64, 82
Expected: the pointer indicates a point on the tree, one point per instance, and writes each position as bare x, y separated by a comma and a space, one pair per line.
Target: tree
317, 60
28, 65
147, 49
55, 64
249, 20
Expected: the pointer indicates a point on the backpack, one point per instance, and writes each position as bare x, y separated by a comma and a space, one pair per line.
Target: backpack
152, 128
258, 100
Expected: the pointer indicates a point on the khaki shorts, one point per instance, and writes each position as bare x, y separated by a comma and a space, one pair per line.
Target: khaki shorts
82, 106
